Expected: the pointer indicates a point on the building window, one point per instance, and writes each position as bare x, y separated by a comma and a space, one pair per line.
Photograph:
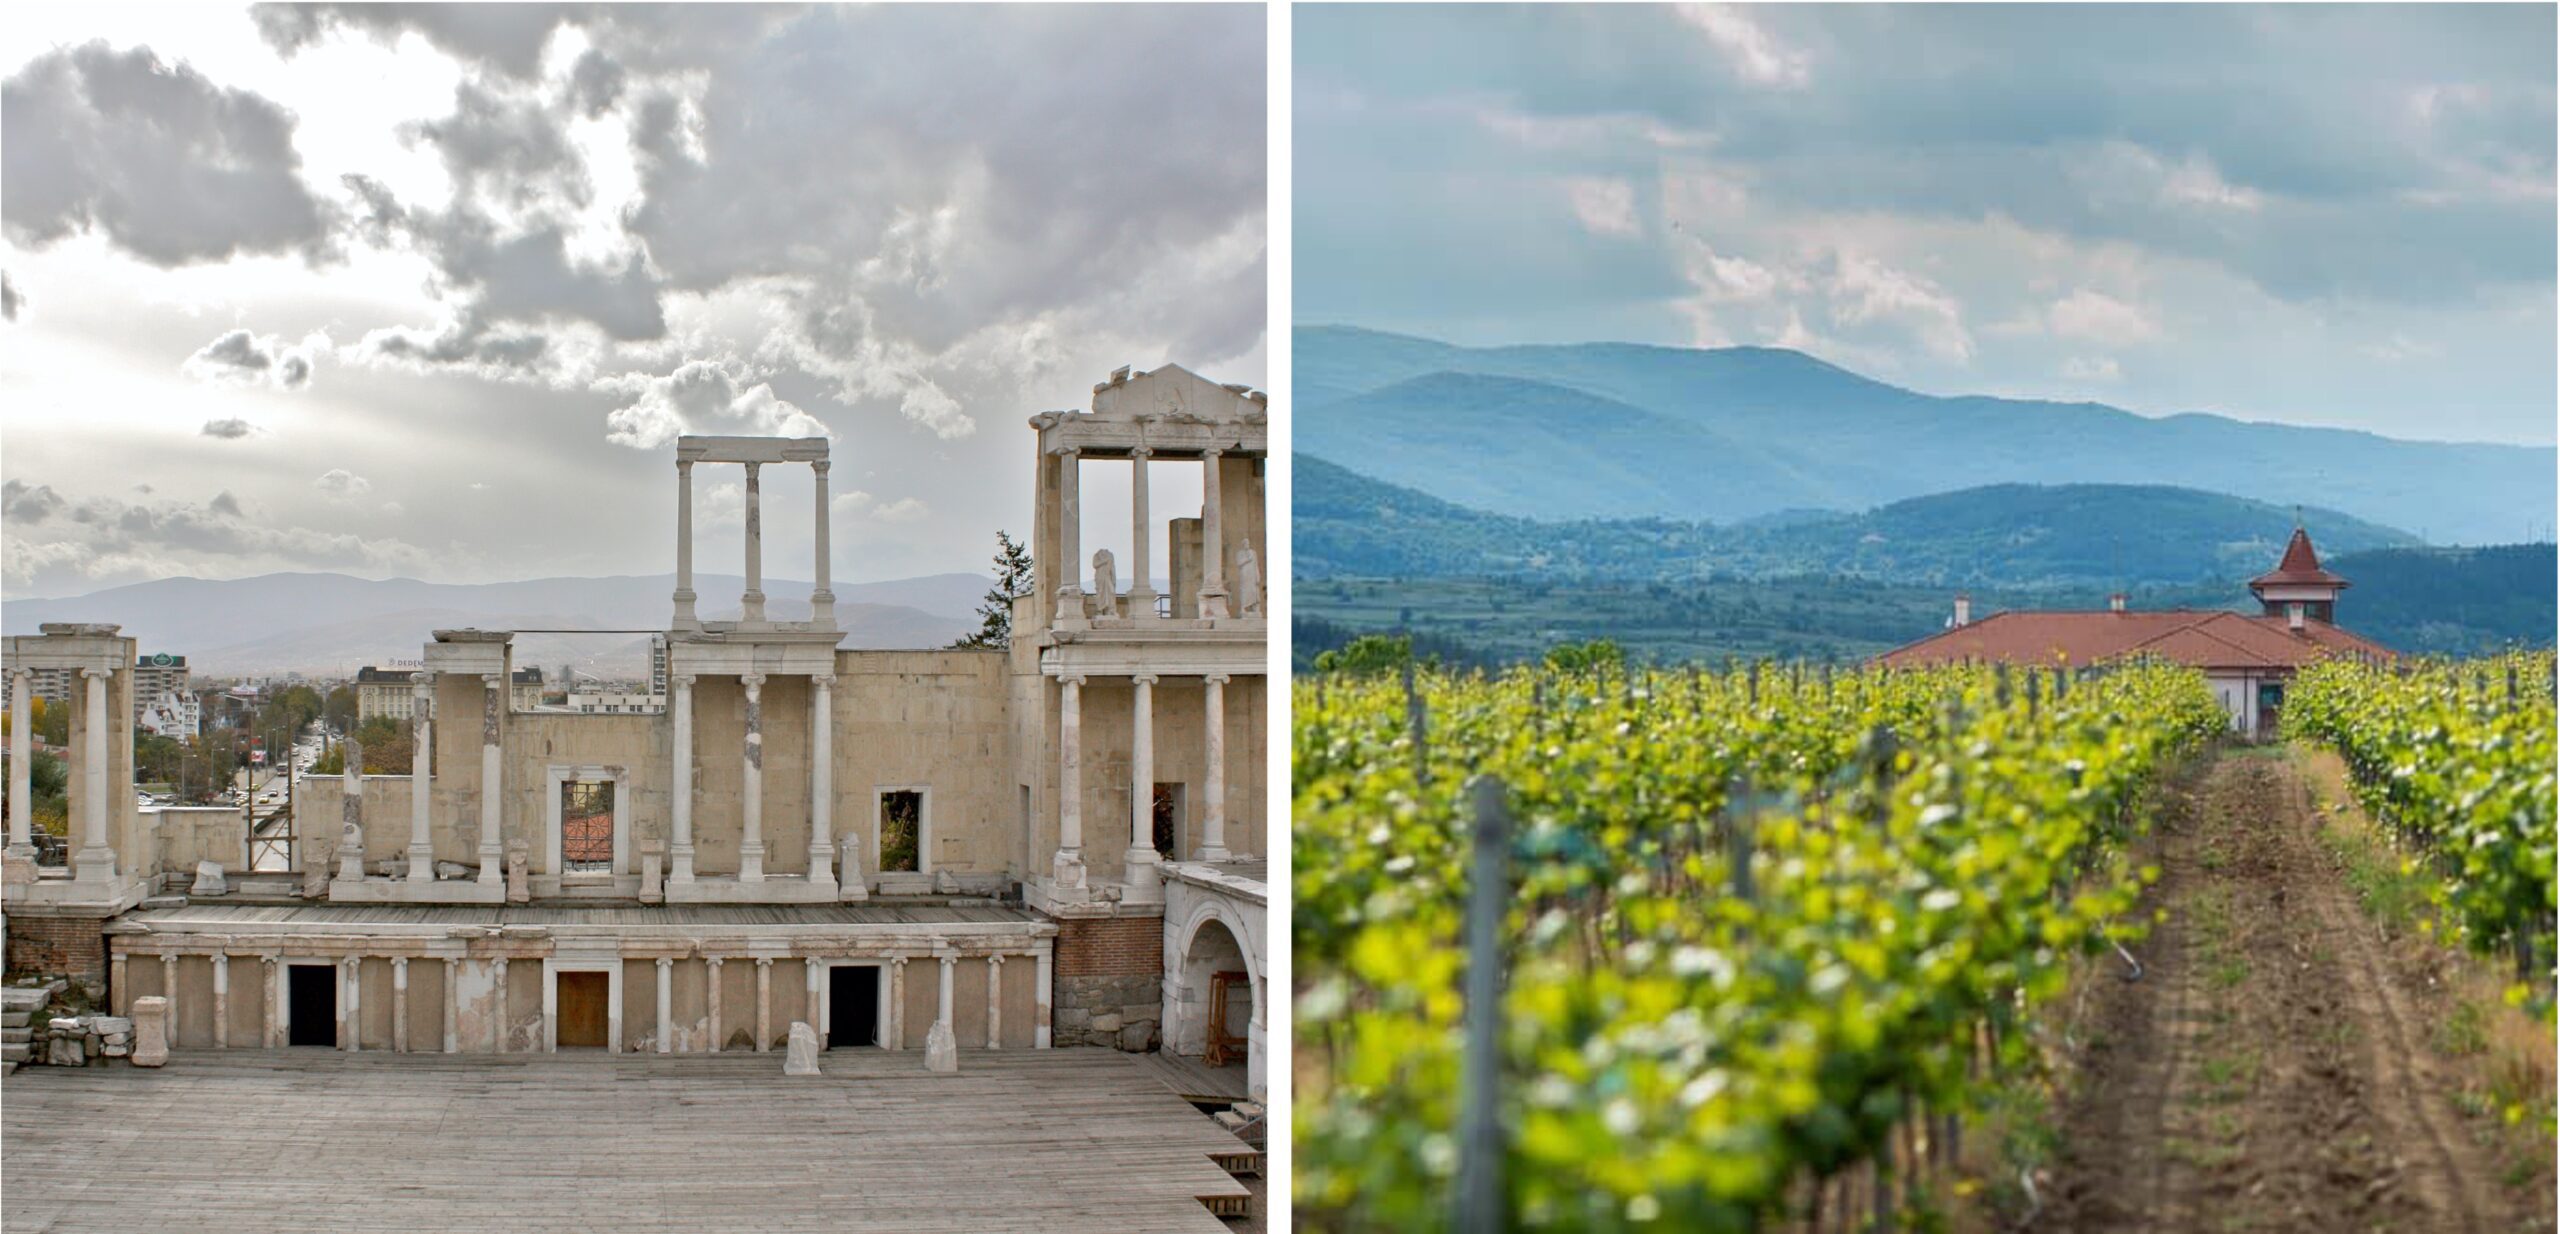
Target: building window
586, 826
1168, 820
901, 831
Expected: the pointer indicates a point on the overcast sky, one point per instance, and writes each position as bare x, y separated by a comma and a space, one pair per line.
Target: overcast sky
430, 291
2319, 214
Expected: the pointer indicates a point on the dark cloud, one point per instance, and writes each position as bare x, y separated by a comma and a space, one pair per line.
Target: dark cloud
224, 504
11, 300
232, 429
109, 538
240, 356
25, 504
168, 165
342, 483
596, 83
506, 37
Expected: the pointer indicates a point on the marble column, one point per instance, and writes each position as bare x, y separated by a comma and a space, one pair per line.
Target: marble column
1213, 551
498, 1023
813, 1004
221, 1001
351, 1026
711, 996
119, 994
422, 735
764, 1004
822, 841
751, 787
493, 702
22, 802
1070, 564
751, 605
97, 860
943, 1015
1040, 978
452, 1006
399, 1004
1068, 869
666, 1005
1213, 812
995, 1002
822, 599
897, 1003
1142, 588
168, 990
685, 618
680, 794
1140, 873
271, 978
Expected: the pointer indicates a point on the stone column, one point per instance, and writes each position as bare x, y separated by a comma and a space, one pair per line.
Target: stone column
711, 996
498, 1023
1142, 591
493, 861
168, 982
271, 977
897, 1003
351, 813
97, 860
822, 599
751, 605
1139, 872
119, 994
1213, 551
751, 790
1070, 564
422, 734
221, 1001
666, 1005
995, 1002
942, 1015
452, 1006
22, 803
1213, 813
811, 1005
399, 1004
1040, 1001
680, 795
685, 618
764, 1004
1068, 869
351, 1017
822, 842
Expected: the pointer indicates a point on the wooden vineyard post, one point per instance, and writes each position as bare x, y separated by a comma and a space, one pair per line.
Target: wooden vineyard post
1414, 717
1481, 1146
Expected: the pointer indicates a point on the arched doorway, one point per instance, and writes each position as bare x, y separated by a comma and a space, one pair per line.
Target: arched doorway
1218, 986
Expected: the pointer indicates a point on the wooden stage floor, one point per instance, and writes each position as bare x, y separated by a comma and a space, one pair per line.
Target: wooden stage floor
1045, 1140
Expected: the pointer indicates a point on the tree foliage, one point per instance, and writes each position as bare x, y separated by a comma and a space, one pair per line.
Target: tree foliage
1013, 581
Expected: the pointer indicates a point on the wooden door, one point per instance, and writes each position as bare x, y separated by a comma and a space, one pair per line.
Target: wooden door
582, 1000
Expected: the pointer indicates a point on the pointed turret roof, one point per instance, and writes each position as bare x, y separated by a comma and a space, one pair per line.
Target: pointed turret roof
2301, 566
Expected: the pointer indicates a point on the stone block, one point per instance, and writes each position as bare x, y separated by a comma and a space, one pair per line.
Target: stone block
1106, 1023
941, 1049
801, 1057
453, 869
209, 880
1138, 1037
150, 1031
65, 1051
115, 1049
112, 1025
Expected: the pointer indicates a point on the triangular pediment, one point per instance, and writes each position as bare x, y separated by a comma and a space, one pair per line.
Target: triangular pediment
1175, 394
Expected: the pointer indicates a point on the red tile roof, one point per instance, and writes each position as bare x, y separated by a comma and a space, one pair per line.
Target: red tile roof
2301, 565
2210, 639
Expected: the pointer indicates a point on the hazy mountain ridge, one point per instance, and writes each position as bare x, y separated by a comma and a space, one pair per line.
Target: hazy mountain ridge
1825, 437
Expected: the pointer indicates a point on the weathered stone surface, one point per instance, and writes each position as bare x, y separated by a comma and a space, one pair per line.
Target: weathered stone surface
65, 1051
209, 880
452, 869
1107, 1022
118, 1049
112, 1025
1138, 1037
941, 1049
150, 1031
801, 1057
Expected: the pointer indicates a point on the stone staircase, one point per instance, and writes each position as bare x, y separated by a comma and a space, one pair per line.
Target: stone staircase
19, 1008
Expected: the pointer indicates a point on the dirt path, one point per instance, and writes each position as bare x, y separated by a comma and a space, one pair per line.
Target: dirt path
2278, 1065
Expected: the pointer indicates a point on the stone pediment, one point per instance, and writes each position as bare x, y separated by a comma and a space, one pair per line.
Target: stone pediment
1174, 394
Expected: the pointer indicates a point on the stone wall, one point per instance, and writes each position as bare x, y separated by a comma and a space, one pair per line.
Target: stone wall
58, 945
1110, 975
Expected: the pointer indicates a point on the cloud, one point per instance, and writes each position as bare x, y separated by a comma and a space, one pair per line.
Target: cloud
2092, 368
11, 299
697, 397
859, 504
25, 504
241, 357
2400, 347
232, 429
161, 161
2097, 317
106, 538
342, 484
1605, 207
1751, 50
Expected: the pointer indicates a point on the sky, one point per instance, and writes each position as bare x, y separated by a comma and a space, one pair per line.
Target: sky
2314, 214
429, 291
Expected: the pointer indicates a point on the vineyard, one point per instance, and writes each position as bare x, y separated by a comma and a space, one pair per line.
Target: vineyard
1762, 925
2458, 758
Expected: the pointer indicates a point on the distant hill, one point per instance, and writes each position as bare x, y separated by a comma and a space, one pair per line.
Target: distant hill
1613, 430
2008, 535
334, 622
2456, 601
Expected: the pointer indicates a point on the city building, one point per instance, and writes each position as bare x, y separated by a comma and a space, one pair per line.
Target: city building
384, 693
1060, 842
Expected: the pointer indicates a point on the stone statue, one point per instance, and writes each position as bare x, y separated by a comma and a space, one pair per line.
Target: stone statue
351, 812
1248, 580
519, 889
150, 1031
850, 884
1106, 584
941, 1049
801, 1056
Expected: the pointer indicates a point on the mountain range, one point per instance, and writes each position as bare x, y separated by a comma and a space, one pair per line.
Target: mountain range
1620, 430
331, 623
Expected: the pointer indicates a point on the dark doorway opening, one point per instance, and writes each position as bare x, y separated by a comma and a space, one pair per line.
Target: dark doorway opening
311, 1004
581, 1006
853, 1006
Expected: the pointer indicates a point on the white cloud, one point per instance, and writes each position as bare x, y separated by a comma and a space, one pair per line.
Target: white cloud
2400, 347
231, 429
1752, 51
342, 484
2097, 317
696, 397
240, 357
1606, 207
2092, 368
859, 504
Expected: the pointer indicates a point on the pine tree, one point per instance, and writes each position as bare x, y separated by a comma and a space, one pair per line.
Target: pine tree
1013, 581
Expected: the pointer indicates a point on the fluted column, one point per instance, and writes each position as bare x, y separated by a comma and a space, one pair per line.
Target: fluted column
711, 996
685, 618
22, 804
822, 831
493, 702
1213, 813
751, 605
764, 1004
352, 1027
1142, 590
1139, 872
1068, 869
97, 859
422, 735
666, 1005
221, 1001
399, 1003
1070, 563
751, 789
995, 1002
1213, 551
822, 600
680, 803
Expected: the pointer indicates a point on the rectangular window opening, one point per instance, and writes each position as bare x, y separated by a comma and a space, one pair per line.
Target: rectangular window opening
901, 831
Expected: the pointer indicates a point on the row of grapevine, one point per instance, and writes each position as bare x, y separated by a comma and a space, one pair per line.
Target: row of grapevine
1759, 920
2458, 759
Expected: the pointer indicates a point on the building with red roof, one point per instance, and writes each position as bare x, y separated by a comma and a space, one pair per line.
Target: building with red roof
2247, 657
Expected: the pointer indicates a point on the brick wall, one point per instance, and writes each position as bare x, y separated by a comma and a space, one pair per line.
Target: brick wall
1109, 976
1111, 947
53, 946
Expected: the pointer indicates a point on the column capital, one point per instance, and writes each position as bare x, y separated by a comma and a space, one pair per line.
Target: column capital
681, 681
753, 469
1212, 453
764, 961
751, 680
665, 963
492, 681
1066, 452
995, 959
1144, 679
399, 964
1217, 679
1142, 453
714, 961
21, 672
1070, 679
818, 465
96, 674
684, 466
822, 680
